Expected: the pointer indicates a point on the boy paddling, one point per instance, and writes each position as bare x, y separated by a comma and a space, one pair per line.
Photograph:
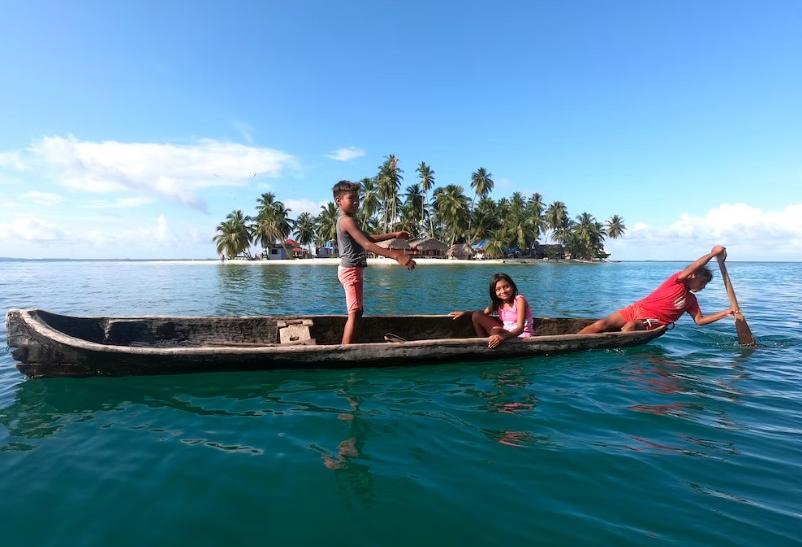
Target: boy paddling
668, 302
353, 244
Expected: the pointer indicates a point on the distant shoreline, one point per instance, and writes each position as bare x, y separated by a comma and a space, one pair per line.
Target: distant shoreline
313, 261
310, 261
372, 261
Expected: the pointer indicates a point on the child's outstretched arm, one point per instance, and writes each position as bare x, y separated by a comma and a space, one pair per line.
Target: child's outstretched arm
701, 319
702, 261
349, 225
457, 314
375, 238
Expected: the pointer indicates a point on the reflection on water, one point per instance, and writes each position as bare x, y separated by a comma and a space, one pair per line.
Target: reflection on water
234, 285
561, 446
354, 478
699, 391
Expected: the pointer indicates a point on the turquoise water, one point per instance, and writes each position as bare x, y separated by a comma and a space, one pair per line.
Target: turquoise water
687, 440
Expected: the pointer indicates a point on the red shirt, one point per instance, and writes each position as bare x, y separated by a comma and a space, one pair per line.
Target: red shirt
669, 301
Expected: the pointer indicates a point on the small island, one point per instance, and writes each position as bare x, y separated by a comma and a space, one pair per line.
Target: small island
450, 224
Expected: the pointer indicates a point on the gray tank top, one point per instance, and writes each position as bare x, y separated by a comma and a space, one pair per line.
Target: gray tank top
351, 253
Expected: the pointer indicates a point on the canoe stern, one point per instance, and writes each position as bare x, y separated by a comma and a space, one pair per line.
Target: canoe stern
33, 351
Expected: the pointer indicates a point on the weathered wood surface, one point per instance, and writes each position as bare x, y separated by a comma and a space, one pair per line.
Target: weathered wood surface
745, 337
48, 344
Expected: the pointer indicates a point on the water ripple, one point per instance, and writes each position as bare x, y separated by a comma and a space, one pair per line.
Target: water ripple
688, 440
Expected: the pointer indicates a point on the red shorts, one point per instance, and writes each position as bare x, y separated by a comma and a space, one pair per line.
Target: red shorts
351, 280
634, 312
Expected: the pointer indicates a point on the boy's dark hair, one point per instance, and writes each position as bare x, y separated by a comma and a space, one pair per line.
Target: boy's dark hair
495, 301
344, 187
704, 273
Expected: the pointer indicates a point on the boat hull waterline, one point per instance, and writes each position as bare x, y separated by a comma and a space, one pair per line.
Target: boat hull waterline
47, 344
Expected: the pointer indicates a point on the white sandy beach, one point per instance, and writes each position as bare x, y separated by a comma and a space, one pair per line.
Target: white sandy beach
375, 262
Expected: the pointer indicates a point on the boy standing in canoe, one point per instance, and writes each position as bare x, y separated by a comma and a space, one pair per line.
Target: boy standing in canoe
352, 244
667, 303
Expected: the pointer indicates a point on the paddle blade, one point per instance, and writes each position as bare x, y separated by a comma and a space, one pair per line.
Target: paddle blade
745, 337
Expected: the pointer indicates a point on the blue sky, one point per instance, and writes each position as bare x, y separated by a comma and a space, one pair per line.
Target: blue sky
129, 130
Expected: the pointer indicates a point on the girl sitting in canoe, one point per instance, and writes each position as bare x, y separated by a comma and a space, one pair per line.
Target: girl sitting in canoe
508, 315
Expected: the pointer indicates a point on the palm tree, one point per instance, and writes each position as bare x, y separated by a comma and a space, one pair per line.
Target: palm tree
535, 221
452, 209
272, 222
482, 184
426, 177
266, 201
615, 227
327, 223
485, 218
305, 229
413, 201
557, 221
388, 181
587, 237
369, 202
496, 244
409, 219
233, 235
516, 226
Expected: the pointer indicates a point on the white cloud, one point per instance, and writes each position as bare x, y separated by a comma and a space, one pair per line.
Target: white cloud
30, 230
174, 171
101, 232
104, 237
12, 160
161, 232
152, 233
42, 198
298, 206
6, 180
748, 233
6, 203
119, 203
346, 154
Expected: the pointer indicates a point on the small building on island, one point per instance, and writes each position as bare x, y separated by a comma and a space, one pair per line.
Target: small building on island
274, 252
297, 250
328, 250
395, 244
428, 248
460, 251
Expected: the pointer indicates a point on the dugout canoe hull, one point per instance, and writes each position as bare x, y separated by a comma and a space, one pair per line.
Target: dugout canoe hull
47, 344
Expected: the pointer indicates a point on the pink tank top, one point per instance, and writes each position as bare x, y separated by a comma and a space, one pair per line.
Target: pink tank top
509, 316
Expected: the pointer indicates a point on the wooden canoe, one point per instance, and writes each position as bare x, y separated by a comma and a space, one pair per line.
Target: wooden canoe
48, 344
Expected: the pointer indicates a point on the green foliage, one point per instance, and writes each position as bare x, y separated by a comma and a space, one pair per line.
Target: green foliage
511, 222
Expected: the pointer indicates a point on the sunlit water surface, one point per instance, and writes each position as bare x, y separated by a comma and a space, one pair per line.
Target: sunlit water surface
686, 440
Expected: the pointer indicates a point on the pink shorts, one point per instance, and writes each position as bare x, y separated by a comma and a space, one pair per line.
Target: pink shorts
351, 280
633, 312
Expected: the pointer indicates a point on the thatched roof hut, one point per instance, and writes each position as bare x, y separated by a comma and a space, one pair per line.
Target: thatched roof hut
396, 244
429, 247
460, 251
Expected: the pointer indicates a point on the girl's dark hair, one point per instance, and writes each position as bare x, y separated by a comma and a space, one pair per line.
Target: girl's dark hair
495, 301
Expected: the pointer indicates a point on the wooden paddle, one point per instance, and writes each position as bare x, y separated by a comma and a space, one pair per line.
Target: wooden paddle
745, 337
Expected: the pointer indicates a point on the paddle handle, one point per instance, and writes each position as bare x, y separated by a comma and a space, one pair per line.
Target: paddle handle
727, 284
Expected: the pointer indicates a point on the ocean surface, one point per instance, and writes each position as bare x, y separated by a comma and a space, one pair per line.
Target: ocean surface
689, 440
